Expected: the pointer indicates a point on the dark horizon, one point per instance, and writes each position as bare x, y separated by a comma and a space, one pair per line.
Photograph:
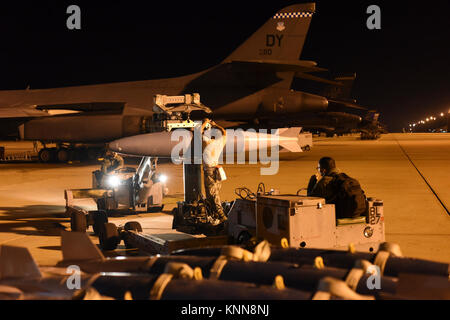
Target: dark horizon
402, 69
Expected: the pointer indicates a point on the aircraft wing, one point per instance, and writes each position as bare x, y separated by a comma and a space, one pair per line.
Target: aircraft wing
347, 104
36, 111
21, 112
308, 76
112, 107
279, 65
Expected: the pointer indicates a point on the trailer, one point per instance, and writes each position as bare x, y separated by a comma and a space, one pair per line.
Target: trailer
287, 220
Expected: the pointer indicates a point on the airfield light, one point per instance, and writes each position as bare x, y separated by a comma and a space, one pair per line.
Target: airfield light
427, 119
442, 114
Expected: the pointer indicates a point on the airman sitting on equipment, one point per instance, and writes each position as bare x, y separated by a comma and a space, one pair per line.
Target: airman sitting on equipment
320, 184
338, 189
112, 161
213, 173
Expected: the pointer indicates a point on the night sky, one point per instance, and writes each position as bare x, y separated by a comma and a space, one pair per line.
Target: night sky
403, 70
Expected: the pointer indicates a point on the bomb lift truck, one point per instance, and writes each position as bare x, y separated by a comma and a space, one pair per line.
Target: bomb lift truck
124, 191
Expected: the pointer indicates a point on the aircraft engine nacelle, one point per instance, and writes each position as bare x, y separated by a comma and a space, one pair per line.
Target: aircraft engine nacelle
79, 128
343, 117
289, 101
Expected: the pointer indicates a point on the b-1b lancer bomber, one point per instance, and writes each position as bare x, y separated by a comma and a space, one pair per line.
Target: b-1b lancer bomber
249, 88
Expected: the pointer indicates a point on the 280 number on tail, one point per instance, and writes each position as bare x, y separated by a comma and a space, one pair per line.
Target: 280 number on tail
265, 52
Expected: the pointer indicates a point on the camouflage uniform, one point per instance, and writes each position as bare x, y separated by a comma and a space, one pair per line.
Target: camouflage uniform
212, 148
323, 188
212, 189
111, 163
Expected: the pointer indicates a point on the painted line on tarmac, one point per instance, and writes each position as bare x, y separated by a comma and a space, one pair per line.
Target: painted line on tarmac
423, 177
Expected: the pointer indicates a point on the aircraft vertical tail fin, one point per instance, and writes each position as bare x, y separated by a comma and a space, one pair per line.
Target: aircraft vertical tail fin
77, 246
17, 262
372, 116
343, 92
281, 38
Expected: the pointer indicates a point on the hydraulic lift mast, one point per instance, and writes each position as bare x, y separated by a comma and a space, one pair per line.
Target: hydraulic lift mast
173, 112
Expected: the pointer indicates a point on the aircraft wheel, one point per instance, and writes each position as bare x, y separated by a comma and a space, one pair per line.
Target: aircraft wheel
109, 236
63, 155
100, 217
93, 154
78, 222
307, 148
45, 155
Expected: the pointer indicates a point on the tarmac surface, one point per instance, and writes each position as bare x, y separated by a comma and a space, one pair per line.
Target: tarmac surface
409, 172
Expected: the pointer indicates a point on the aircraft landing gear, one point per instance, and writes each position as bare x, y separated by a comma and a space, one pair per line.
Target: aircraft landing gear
63, 155
66, 153
47, 155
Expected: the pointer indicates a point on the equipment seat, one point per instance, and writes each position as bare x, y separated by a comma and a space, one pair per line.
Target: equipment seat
347, 221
